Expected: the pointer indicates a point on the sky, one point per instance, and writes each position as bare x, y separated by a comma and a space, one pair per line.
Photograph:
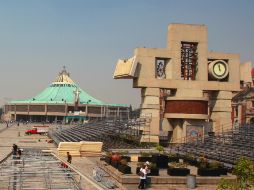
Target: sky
38, 38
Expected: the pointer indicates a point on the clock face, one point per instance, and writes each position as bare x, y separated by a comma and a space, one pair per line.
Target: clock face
219, 69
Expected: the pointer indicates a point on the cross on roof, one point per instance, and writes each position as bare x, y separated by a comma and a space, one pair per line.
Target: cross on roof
77, 92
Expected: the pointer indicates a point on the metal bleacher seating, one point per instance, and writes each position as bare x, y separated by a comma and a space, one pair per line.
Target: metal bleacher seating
227, 146
113, 133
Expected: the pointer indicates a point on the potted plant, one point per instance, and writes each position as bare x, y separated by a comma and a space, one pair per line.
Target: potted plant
124, 155
154, 170
172, 157
123, 167
160, 159
210, 169
115, 159
145, 156
190, 159
178, 169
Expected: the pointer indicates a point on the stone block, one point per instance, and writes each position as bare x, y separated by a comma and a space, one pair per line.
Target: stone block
150, 106
151, 100
151, 112
150, 92
181, 92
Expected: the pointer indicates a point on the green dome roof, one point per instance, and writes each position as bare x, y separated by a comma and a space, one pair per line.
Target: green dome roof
63, 90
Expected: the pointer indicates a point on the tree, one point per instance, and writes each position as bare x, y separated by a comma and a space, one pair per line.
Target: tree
244, 171
159, 148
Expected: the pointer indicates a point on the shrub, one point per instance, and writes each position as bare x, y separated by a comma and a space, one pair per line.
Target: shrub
152, 166
244, 171
189, 156
109, 153
160, 148
124, 152
172, 155
178, 165
145, 154
214, 165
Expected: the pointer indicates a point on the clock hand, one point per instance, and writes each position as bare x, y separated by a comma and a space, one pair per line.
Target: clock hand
219, 67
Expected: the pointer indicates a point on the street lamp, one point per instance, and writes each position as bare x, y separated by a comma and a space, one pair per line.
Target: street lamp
87, 102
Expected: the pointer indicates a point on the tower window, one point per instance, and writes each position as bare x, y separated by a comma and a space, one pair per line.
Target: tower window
189, 57
160, 67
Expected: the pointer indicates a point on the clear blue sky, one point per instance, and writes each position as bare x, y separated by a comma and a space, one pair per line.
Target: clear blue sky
39, 37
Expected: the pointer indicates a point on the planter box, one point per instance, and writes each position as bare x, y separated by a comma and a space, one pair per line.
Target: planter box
108, 160
160, 160
114, 163
208, 172
145, 158
192, 162
178, 171
154, 172
128, 158
173, 159
137, 170
124, 169
223, 171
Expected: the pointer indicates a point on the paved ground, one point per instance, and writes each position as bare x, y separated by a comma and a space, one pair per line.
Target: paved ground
16, 134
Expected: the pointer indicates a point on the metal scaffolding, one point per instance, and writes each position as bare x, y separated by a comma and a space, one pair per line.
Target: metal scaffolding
37, 170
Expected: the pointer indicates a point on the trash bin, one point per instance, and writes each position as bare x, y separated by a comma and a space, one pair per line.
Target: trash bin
191, 181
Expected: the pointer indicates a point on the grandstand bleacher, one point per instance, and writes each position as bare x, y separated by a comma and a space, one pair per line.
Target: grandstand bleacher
226, 147
114, 134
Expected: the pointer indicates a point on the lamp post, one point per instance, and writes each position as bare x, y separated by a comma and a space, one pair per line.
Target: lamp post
88, 101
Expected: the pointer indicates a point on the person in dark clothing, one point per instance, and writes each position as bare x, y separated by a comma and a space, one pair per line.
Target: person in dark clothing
69, 157
14, 150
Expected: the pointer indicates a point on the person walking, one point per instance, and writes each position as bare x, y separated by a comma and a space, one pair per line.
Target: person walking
142, 176
14, 151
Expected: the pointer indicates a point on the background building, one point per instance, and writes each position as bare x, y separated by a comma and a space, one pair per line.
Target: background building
63, 101
186, 88
243, 107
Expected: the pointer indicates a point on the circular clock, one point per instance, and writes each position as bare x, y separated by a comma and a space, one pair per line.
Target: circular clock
218, 69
